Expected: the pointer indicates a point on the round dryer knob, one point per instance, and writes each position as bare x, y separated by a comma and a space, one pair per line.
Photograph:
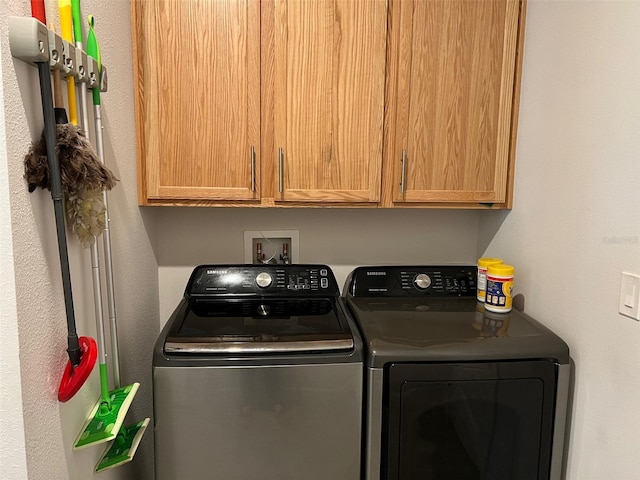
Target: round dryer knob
264, 280
422, 281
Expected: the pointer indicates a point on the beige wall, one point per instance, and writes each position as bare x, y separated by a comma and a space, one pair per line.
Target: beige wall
576, 222
341, 238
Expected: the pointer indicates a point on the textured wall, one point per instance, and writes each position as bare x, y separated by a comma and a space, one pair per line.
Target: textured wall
12, 449
51, 427
576, 221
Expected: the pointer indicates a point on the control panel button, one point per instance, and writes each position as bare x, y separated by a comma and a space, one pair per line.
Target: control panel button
323, 272
324, 282
422, 281
264, 280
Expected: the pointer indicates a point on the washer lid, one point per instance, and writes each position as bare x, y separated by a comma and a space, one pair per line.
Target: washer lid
448, 329
259, 325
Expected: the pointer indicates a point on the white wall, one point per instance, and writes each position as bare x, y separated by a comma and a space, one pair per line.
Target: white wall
50, 427
575, 225
12, 448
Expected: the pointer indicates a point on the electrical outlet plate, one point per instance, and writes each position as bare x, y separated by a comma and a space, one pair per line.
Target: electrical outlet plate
272, 245
629, 305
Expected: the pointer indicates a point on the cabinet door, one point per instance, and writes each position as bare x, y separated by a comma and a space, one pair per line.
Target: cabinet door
198, 99
329, 99
452, 79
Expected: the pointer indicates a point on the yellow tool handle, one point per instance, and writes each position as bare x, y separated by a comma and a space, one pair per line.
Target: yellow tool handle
66, 27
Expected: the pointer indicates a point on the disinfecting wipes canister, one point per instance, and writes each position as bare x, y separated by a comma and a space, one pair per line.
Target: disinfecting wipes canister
498, 296
483, 264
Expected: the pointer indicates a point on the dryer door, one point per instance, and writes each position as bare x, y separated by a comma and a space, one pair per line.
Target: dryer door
471, 421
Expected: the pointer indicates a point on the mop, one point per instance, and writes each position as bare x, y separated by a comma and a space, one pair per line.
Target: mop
108, 415
128, 438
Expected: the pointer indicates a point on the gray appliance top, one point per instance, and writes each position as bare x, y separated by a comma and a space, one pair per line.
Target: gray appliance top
245, 311
404, 317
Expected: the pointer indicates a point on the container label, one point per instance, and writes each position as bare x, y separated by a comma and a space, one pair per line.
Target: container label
499, 293
482, 283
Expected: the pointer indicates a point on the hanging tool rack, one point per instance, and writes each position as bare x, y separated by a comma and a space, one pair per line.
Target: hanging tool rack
32, 42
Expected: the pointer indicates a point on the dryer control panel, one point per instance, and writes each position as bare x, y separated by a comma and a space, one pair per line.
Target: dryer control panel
415, 280
264, 280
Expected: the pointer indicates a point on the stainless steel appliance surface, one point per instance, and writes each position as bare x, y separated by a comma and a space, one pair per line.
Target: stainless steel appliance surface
258, 375
452, 390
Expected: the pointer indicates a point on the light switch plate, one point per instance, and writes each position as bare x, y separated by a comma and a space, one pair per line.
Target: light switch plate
629, 305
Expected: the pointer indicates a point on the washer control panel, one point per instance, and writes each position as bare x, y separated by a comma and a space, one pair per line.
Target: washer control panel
403, 281
288, 280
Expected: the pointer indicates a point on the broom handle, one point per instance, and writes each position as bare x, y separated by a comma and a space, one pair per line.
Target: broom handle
66, 27
38, 11
58, 101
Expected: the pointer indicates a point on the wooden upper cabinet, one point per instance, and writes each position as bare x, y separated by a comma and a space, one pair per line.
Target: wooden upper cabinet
329, 63
197, 73
452, 73
380, 103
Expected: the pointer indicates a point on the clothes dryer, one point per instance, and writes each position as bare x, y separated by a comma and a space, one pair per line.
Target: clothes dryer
454, 391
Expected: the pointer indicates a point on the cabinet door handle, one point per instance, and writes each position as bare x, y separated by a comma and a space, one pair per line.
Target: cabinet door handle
280, 164
402, 174
253, 168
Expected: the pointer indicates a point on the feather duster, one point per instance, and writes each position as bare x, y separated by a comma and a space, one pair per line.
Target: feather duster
84, 178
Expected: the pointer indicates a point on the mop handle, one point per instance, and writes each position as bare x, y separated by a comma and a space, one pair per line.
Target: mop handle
66, 27
95, 256
93, 50
80, 88
77, 22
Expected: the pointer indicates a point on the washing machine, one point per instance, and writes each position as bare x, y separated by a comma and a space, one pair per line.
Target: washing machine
453, 391
258, 375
